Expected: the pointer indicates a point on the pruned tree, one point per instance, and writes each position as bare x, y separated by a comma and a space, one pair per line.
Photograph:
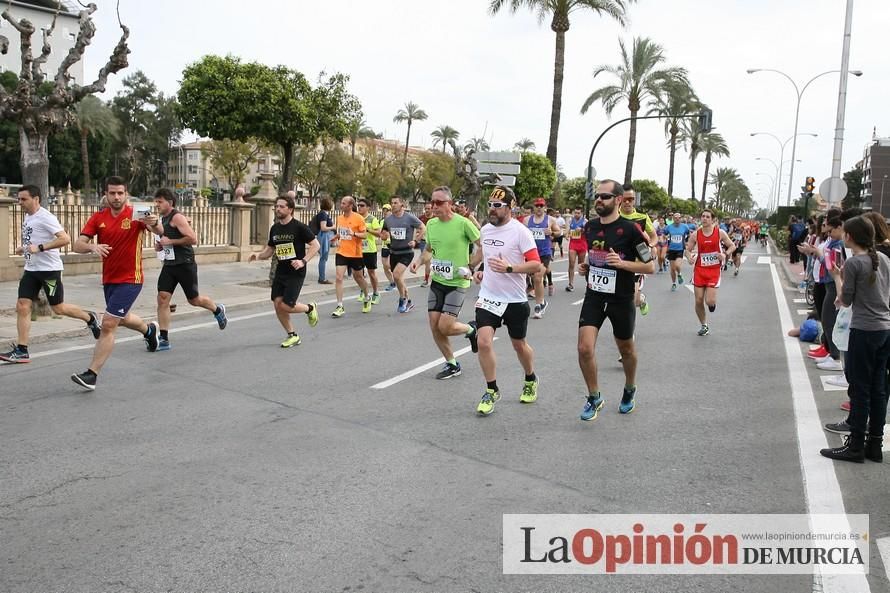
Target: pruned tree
40, 106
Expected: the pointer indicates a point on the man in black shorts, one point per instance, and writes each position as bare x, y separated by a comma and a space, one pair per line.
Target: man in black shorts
175, 247
614, 245
404, 231
510, 253
294, 245
42, 236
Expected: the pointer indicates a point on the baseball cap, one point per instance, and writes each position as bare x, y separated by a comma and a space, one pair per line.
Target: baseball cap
809, 331
540, 202
387, 207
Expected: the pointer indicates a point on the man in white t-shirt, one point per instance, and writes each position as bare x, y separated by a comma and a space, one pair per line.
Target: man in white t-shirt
42, 236
509, 253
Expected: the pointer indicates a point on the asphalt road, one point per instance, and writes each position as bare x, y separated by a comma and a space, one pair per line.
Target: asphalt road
230, 464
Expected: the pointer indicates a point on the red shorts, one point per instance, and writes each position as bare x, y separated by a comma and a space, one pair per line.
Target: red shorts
578, 246
708, 276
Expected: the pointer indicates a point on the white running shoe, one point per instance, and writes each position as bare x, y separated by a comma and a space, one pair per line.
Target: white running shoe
831, 365
837, 381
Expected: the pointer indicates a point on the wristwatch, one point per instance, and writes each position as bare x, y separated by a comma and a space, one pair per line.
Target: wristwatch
40, 247
509, 269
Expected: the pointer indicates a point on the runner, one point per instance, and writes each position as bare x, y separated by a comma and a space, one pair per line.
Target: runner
42, 236
543, 227
618, 249
348, 238
294, 245
369, 247
384, 255
119, 243
461, 208
710, 242
629, 212
663, 240
739, 236
577, 245
563, 228
509, 253
447, 251
403, 230
421, 245
678, 234
179, 267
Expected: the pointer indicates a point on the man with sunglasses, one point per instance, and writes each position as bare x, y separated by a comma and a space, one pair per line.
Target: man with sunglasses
510, 252
448, 238
617, 250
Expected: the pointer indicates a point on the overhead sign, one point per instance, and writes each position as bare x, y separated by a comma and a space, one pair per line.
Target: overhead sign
503, 164
502, 168
498, 157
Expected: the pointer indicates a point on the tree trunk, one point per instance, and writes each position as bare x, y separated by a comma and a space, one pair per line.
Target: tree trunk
556, 109
287, 169
407, 138
704, 183
34, 160
673, 151
631, 147
85, 161
692, 174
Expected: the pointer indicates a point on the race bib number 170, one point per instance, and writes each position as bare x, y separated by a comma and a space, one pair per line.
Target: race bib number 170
602, 280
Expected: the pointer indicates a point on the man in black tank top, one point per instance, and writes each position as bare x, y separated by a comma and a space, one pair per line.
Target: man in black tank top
175, 249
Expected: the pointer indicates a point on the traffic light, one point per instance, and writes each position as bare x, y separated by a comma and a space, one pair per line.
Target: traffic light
810, 186
704, 120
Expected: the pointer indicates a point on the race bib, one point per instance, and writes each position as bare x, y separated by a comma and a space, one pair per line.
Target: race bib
345, 233
168, 253
366, 245
575, 233
399, 233
285, 251
737, 238
496, 307
538, 234
602, 280
710, 259
443, 268
676, 238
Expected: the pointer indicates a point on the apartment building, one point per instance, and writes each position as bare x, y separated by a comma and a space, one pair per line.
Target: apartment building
40, 13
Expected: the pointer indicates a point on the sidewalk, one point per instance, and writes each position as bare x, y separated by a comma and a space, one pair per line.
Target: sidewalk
237, 285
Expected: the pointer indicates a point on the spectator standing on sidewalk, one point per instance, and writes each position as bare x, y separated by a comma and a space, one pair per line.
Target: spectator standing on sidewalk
796, 233
323, 226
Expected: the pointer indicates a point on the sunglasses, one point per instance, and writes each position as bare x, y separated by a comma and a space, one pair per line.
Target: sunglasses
362, 205
539, 205
438, 202
604, 196
497, 204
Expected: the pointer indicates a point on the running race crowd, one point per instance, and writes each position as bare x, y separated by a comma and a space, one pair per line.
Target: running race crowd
509, 257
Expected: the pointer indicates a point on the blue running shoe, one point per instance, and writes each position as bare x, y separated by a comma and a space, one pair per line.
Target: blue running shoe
628, 404
163, 345
403, 305
221, 318
390, 288
592, 408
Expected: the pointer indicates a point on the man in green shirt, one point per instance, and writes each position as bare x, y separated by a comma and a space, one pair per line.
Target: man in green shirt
369, 247
448, 239
642, 219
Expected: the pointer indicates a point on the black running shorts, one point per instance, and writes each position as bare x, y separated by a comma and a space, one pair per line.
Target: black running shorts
288, 287
50, 282
622, 314
515, 318
185, 275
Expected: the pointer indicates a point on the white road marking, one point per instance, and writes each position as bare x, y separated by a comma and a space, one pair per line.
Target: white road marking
798, 301
690, 287
763, 259
418, 370
578, 302
803, 311
884, 548
828, 386
744, 258
823, 492
769, 250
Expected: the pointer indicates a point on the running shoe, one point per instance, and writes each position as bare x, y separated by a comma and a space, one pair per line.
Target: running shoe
93, 324
361, 297
537, 314
838, 427
704, 330
292, 340
220, 317
375, 299
837, 381
16, 355
529, 393
473, 337
544, 306
644, 308
338, 311
736, 273
151, 336
449, 370
674, 287
680, 278
628, 403
390, 288
313, 314
570, 288
425, 283
409, 306
366, 306
87, 380
403, 305
592, 408
486, 404
830, 365
163, 345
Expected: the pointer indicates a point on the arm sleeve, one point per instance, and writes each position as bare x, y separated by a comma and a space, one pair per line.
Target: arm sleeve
532, 255
849, 288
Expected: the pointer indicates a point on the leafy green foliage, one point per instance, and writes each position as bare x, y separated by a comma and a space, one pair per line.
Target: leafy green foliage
853, 179
536, 178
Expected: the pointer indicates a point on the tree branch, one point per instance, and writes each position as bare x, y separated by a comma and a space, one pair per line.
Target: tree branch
84, 37
25, 29
36, 71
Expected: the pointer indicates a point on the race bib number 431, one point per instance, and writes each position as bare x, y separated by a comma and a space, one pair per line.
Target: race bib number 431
602, 280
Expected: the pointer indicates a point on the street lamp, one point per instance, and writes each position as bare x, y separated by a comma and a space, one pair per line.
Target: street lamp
782, 160
776, 167
799, 92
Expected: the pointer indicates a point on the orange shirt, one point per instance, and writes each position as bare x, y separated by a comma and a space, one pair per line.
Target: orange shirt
350, 245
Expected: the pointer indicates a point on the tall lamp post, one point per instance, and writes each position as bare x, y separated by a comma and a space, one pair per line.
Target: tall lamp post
782, 160
771, 161
800, 92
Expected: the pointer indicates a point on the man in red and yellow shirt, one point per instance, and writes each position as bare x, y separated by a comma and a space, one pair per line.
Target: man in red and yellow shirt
348, 234
118, 232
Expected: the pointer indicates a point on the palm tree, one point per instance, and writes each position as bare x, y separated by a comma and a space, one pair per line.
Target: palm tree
721, 178
358, 129
524, 145
676, 99
559, 11
476, 145
712, 144
639, 80
94, 118
445, 135
410, 114
690, 136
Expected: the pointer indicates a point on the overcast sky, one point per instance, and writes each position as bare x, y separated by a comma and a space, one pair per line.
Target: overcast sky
493, 74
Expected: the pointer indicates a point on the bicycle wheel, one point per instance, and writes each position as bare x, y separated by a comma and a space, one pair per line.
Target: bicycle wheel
810, 293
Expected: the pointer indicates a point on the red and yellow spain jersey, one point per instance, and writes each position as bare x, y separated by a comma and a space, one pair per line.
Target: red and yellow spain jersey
124, 236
